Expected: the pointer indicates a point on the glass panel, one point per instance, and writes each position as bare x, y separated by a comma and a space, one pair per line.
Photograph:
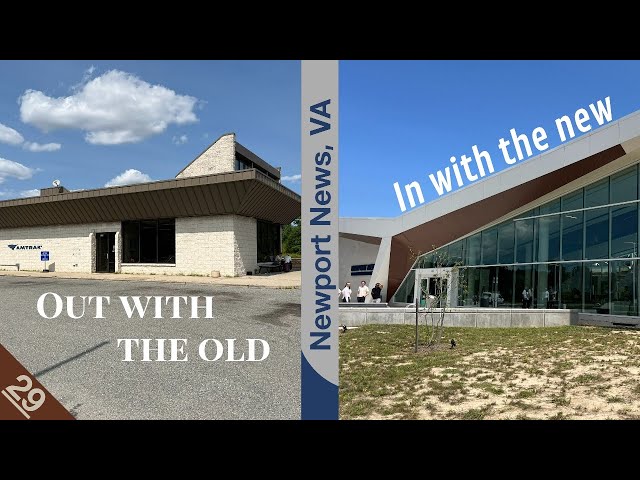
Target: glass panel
455, 253
597, 194
463, 287
624, 294
571, 287
268, 241
624, 231
426, 261
473, 287
573, 201
572, 236
548, 238
404, 294
149, 241
505, 286
441, 257
490, 246
524, 293
597, 233
624, 185
495, 283
131, 242
551, 207
529, 213
473, 250
485, 277
547, 283
524, 240
506, 233
596, 292
167, 241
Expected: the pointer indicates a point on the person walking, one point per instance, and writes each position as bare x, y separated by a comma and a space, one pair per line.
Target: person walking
287, 263
526, 298
376, 293
546, 298
345, 293
363, 291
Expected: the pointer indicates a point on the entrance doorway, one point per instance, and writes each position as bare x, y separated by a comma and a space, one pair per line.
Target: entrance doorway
436, 287
106, 252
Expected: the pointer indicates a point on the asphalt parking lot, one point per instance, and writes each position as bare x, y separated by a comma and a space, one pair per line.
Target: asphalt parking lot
79, 362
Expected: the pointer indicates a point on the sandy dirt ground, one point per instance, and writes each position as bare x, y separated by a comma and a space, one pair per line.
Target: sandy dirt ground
553, 373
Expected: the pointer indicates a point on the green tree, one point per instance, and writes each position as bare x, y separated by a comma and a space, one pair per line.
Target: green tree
291, 242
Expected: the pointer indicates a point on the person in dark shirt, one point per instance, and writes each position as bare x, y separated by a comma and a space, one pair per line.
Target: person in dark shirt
376, 293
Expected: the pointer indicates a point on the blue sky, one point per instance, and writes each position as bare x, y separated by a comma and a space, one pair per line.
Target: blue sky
96, 123
403, 120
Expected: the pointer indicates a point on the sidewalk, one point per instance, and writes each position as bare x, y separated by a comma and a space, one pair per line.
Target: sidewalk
276, 280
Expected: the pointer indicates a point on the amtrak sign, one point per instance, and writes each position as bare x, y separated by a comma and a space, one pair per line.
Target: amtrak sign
25, 247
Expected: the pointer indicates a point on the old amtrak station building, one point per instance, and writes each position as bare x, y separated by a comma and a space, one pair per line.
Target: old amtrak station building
220, 215
563, 224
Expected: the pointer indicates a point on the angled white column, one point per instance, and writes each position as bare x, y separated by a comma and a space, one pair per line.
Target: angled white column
381, 269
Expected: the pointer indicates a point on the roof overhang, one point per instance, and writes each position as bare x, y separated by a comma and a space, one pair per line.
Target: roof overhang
248, 193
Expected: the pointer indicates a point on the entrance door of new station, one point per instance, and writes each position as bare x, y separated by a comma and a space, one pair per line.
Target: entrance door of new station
437, 285
106, 252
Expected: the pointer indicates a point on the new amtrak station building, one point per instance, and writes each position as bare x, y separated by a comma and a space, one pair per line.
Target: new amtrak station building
221, 215
563, 224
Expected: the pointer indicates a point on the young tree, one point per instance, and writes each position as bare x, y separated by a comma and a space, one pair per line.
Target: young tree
437, 293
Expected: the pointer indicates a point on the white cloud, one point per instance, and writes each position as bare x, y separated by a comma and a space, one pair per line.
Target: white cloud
30, 193
114, 108
9, 168
41, 147
128, 177
10, 136
181, 140
291, 178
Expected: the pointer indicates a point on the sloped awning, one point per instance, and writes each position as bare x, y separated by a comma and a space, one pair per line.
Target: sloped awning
249, 193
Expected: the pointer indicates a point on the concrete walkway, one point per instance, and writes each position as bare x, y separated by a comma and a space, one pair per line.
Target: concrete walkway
274, 280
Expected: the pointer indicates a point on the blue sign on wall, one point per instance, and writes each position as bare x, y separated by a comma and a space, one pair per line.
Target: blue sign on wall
44, 256
362, 269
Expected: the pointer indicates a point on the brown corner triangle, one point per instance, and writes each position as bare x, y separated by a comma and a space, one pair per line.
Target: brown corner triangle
22, 396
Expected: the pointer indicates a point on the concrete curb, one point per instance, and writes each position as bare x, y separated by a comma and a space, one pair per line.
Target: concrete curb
289, 283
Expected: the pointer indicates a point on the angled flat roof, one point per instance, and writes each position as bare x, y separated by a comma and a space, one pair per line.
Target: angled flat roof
485, 201
624, 133
248, 192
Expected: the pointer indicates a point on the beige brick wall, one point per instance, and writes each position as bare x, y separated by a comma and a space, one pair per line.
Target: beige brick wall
206, 244
69, 246
224, 243
245, 249
218, 158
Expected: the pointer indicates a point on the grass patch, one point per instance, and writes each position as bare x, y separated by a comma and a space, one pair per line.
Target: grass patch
477, 413
519, 404
560, 400
489, 387
524, 369
527, 393
588, 379
615, 399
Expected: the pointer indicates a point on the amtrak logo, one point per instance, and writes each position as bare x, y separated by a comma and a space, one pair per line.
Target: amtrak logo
25, 247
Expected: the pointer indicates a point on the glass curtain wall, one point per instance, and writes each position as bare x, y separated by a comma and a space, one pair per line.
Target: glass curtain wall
579, 251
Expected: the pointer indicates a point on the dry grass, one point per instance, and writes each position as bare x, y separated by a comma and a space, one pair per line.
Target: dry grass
523, 373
